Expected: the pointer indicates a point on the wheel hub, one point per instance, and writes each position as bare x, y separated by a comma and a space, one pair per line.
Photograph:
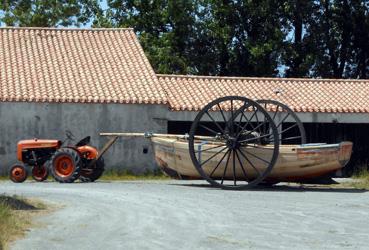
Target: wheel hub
233, 143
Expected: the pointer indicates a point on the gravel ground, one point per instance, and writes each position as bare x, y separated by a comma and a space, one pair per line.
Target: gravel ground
191, 215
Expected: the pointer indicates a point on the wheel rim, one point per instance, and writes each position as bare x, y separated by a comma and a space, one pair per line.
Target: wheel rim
236, 132
39, 173
18, 173
64, 166
290, 128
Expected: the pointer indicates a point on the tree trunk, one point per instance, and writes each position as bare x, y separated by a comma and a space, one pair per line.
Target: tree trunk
298, 24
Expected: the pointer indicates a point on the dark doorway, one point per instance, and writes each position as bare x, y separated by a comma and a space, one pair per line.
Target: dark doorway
338, 132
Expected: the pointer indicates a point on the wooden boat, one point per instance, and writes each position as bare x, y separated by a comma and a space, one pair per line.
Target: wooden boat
294, 163
237, 143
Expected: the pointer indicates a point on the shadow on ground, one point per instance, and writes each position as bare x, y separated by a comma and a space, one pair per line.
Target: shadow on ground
16, 204
285, 188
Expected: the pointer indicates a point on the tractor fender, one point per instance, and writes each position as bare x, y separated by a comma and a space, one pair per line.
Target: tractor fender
88, 152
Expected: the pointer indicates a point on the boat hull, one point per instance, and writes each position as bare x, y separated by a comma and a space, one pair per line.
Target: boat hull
294, 163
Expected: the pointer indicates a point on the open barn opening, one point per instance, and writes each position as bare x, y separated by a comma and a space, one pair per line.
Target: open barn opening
337, 132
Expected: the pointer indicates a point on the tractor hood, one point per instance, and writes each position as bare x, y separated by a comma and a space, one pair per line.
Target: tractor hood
38, 143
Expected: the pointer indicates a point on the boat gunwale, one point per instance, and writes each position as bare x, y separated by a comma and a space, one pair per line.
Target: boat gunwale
311, 146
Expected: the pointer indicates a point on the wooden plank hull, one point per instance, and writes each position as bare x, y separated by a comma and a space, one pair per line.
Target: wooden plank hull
295, 162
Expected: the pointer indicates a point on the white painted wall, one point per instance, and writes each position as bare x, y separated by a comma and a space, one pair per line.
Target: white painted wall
20, 120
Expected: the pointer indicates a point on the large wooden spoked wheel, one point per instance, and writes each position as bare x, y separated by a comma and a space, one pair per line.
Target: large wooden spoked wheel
290, 128
229, 143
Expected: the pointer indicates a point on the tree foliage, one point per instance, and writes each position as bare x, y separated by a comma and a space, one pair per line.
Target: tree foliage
47, 13
291, 38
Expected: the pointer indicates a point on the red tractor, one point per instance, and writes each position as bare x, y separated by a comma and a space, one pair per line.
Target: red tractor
66, 163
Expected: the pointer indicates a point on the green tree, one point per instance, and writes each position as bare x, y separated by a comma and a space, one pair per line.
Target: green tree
298, 50
163, 26
241, 38
329, 38
304, 38
47, 13
204, 36
360, 35
333, 29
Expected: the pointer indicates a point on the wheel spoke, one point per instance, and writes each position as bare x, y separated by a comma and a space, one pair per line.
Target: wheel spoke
231, 125
245, 126
196, 151
257, 122
265, 121
253, 139
254, 130
209, 129
253, 146
250, 121
290, 138
203, 163
220, 128
238, 127
243, 169
247, 159
234, 168
221, 111
275, 114
232, 108
257, 157
225, 169
294, 125
239, 124
280, 123
212, 172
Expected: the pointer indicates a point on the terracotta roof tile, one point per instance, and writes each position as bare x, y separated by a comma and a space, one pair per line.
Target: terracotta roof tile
191, 93
75, 65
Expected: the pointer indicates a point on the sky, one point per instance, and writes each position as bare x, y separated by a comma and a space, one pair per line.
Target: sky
104, 4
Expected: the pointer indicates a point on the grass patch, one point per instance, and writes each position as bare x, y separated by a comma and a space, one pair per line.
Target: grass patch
113, 175
117, 175
4, 178
15, 217
361, 179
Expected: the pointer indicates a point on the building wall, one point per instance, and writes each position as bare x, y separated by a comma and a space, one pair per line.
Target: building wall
20, 120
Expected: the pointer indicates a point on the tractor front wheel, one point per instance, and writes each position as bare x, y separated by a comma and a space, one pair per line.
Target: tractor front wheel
18, 173
66, 165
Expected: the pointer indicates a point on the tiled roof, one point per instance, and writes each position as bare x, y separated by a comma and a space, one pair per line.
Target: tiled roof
191, 93
75, 65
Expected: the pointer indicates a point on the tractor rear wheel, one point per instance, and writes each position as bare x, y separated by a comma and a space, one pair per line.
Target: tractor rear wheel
40, 173
66, 165
18, 173
94, 172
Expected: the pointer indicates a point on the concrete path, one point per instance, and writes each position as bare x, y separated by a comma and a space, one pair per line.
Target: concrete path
190, 215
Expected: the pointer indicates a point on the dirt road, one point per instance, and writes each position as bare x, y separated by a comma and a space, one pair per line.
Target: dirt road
190, 215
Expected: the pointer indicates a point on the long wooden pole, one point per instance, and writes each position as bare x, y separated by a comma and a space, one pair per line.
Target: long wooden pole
149, 135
